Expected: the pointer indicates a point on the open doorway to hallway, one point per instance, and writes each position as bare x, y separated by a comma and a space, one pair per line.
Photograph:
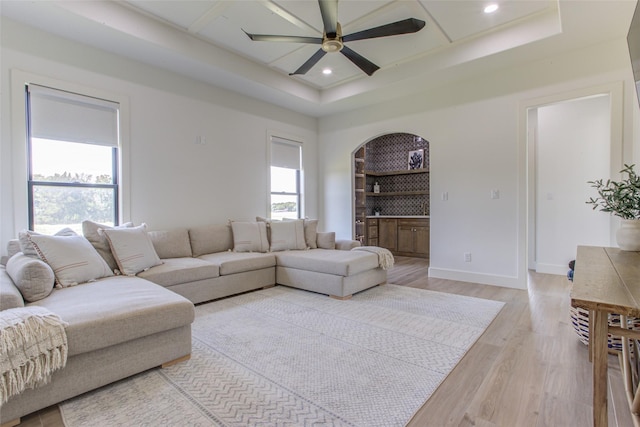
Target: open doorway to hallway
569, 144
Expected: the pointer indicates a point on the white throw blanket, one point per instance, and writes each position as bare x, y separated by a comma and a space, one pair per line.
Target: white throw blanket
33, 344
385, 257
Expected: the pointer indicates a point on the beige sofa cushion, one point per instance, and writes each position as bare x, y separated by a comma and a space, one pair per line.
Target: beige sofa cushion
132, 249
33, 277
250, 236
341, 263
115, 310
210, 239
287, 235
72, 258
171, 243
174, 271
99, 240
10, 296
238, 262
326, 240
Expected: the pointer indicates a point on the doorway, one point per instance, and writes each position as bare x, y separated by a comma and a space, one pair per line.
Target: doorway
391, 194
569, 144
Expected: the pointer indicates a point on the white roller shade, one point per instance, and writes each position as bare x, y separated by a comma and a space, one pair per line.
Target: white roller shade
65, 116
285, 154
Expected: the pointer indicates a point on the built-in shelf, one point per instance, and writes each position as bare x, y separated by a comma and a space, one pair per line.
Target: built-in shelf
397, 172
398, 193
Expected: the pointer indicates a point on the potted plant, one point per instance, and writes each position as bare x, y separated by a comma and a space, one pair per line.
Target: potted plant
622, 199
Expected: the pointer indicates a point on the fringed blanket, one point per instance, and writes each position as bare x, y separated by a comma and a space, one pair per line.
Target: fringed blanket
33, 344
385, 257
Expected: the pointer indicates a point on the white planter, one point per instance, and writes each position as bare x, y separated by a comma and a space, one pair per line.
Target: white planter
628, 235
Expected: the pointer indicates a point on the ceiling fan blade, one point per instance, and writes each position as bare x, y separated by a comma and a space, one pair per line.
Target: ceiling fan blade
363, 63
310, 63
406, 26
329, 12
290, 39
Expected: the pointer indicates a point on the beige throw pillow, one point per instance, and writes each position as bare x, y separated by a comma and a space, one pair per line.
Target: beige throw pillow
32, 276
327, 240
26, 247
72, 258
132, 249
287, 235
99, 241
249, 236
311, 232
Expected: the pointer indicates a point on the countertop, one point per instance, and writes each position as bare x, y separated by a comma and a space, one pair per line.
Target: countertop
398, 216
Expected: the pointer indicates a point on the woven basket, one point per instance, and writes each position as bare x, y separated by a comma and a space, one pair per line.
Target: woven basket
580, 322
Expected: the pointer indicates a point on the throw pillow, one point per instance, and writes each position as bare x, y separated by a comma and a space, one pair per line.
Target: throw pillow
132, 249
32, 276
327, 240
99, 241
171, 243
26, 247
249, 236
72, 259
287, 235
311, 232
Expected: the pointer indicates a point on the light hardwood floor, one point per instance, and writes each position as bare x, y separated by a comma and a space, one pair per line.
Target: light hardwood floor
528, 369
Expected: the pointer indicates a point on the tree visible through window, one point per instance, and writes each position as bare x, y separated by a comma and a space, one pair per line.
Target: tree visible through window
73, 160
285, 179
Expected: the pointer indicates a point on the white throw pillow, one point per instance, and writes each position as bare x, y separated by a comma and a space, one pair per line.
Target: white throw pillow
26, 247
99, 241
287, 235
132, 249
249, 236
32, 276
72, 259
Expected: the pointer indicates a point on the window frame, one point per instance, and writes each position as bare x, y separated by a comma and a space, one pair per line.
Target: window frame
21, 157
287, 140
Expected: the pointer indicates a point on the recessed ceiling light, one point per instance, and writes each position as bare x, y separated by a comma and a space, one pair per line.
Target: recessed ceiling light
326, 71
491, 8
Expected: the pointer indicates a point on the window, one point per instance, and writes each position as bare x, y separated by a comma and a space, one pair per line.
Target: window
286, 168
72, 159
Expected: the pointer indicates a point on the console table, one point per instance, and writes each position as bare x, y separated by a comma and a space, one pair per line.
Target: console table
607, 281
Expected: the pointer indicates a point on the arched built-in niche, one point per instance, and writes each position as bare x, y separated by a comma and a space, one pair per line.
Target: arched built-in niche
399, 164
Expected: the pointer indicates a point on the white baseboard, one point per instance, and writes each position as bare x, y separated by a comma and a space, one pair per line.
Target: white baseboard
485, 279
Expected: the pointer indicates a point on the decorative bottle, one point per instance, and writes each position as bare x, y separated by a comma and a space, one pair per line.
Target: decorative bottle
376, 188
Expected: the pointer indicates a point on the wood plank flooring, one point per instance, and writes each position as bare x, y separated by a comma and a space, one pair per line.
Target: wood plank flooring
527, 369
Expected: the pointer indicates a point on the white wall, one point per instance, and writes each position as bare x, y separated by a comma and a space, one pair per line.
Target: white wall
477, 135
173, 181
573, 146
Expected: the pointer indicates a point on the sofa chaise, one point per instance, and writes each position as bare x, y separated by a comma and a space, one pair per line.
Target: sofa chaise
119, 325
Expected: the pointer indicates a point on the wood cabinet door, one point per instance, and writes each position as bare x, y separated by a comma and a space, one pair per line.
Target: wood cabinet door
406, 238
388, 233
421, 240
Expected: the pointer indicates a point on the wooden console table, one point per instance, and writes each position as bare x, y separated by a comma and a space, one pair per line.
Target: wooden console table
607, 281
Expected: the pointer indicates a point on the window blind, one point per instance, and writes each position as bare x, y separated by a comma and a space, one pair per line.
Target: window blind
66, 116
285, 153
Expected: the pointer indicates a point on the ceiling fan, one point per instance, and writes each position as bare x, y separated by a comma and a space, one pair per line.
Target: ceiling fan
333, 41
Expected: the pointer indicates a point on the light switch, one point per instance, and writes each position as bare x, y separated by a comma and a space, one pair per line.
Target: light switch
495, 194
445, 196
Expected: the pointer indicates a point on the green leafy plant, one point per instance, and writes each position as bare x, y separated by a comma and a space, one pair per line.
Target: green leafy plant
620, 198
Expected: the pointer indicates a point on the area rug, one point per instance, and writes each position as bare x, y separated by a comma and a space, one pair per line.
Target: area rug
286, 357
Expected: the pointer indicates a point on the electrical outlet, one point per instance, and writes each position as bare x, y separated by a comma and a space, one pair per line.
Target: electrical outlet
467, 257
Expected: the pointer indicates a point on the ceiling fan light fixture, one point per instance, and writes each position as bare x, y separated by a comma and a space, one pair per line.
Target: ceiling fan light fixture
333, 44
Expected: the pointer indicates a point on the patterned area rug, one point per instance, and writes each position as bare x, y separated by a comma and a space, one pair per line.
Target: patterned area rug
286, 357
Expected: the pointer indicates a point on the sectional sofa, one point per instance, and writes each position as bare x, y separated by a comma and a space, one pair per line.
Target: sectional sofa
127, 294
